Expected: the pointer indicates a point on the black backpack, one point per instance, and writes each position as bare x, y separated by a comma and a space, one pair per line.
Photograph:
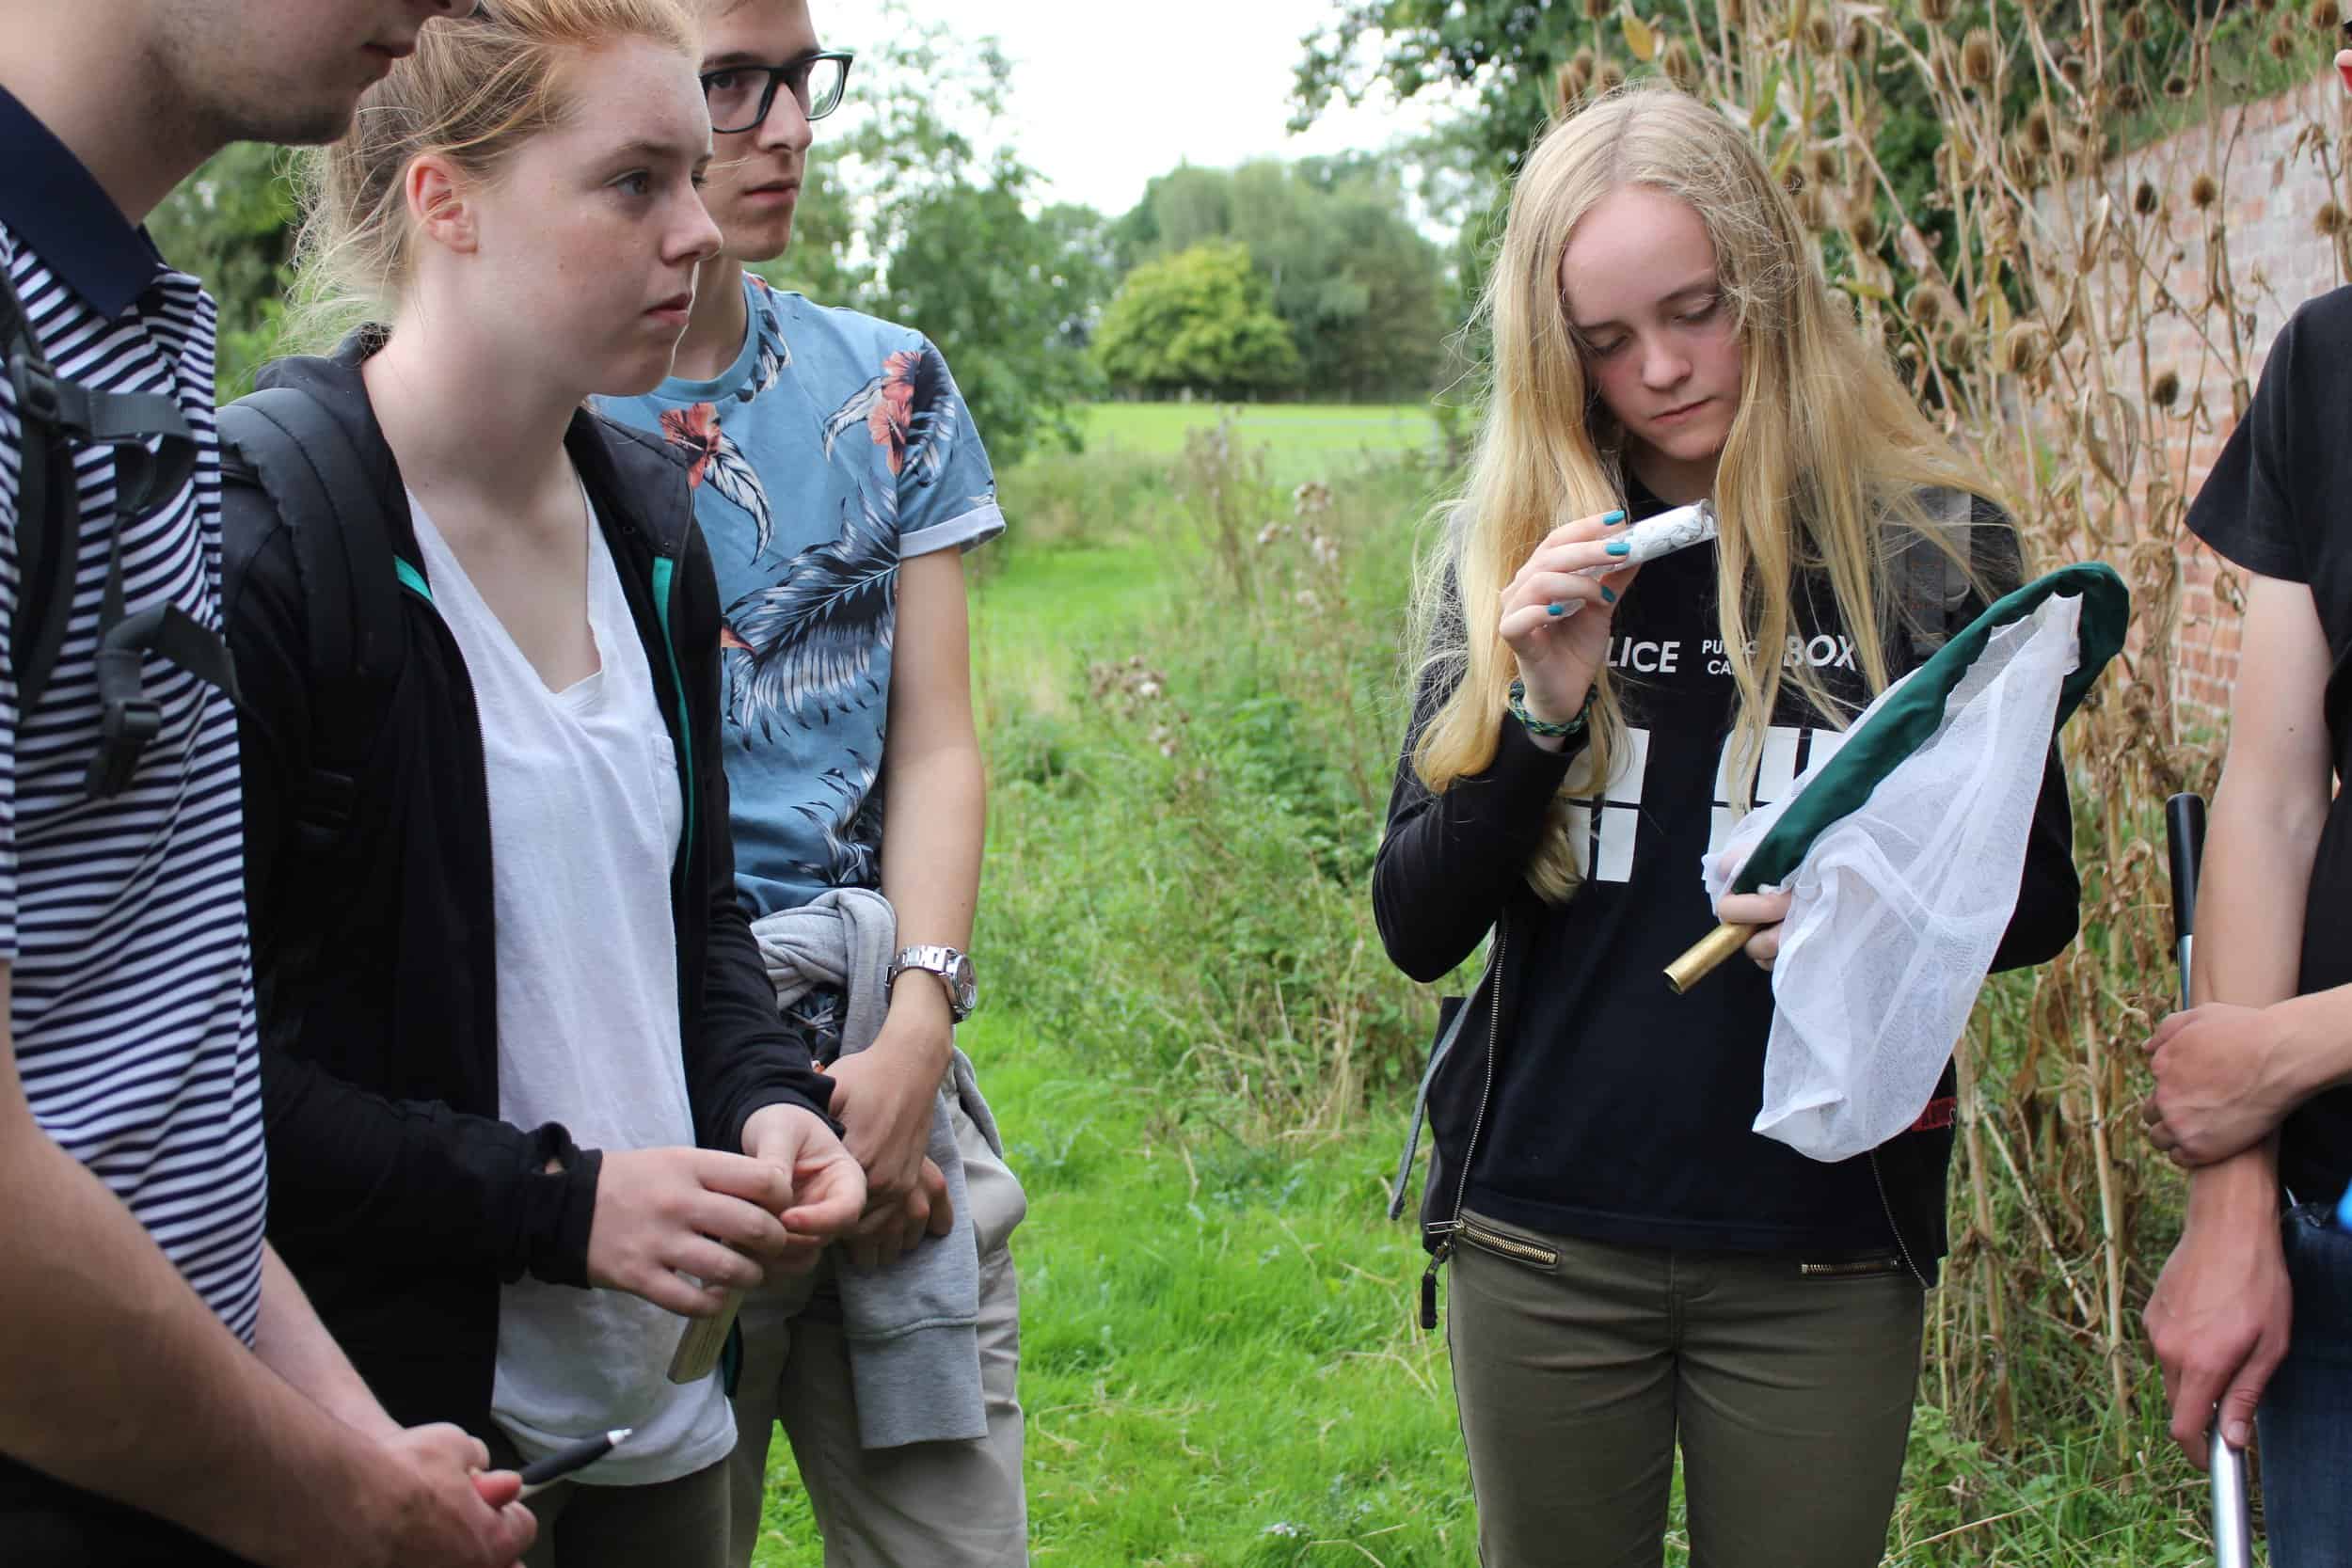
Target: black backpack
57, 416
284, 444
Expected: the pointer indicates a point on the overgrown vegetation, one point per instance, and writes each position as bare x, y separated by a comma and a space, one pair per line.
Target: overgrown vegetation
1214, 793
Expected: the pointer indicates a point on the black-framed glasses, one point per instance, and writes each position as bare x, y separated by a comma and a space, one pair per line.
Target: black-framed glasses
742, 95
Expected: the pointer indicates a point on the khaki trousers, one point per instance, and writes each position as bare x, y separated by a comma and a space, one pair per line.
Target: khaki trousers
926, 1505
1579, 1366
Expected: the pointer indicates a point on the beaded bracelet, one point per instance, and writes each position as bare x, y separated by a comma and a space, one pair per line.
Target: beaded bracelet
1544, 727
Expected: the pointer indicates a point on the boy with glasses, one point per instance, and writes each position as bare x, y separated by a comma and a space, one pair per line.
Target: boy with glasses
2252, 1316
171, 1396
838, 479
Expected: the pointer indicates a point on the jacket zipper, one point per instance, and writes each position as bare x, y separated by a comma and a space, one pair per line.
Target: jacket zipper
1461, 1188
1887, 1204
664, 587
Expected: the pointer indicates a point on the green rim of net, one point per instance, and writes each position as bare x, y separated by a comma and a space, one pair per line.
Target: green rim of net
1916, 712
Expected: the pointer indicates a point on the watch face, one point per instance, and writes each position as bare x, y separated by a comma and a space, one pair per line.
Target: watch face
965, 981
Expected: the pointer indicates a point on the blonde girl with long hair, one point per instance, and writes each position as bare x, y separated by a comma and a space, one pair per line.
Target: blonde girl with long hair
529, 1105
1633, 1270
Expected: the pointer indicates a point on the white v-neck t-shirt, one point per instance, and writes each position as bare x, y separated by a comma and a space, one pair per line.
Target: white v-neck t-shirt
586, 813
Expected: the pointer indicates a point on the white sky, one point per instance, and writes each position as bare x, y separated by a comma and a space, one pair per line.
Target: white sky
1108, 93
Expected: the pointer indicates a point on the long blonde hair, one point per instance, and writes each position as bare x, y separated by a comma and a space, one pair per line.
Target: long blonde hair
474, 91
1827, 450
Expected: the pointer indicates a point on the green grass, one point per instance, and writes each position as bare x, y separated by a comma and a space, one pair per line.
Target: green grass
1218, 1357
1304, 440
1038, 624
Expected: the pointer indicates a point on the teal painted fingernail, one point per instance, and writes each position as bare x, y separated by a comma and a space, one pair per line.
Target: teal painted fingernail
1555, 610
1614, 517
1609, 596
1620, 547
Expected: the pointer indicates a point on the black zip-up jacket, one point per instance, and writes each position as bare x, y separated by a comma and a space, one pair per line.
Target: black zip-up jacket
397, 1195
1580, 1097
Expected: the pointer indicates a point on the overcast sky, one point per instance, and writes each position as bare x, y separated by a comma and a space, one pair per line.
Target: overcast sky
1108, 93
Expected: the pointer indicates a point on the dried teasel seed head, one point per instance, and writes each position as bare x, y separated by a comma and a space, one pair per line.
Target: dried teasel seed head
2329, 220
2073, 70
2128, 97
2144, 200
1857, 43
2176, 86
2265, 7
1609, 77
2164, 390
2325, 16
1596, 10
1932, 305
2204, 192
1824, 163
2024, 347
1937, 12
1680, 69
1977, 56
2135, 24
2281, 45
1821, 33
1812, 211
2041, 134
1564, 90
1863, 227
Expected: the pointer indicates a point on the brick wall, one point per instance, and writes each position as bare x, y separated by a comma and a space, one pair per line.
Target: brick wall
2271, 190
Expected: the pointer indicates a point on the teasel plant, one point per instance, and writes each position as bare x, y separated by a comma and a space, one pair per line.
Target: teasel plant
2066, 299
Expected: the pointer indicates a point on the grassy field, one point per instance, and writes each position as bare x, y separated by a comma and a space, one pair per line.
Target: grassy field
1304, 439
1221, 1366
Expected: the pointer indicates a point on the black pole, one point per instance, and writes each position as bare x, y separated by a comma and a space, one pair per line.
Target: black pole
2184, 840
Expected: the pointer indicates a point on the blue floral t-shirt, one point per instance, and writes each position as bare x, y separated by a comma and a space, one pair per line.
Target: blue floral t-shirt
834, 447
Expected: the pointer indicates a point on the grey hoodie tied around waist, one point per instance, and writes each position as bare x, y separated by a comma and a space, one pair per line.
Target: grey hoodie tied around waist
911, 1324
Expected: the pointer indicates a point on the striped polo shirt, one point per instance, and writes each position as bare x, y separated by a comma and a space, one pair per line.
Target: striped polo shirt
131, 1011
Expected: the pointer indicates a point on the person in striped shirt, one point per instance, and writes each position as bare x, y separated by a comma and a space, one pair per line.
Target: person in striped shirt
172, 1397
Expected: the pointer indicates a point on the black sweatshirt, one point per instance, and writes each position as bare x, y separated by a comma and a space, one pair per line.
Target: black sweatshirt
1617, 1110
397, 1195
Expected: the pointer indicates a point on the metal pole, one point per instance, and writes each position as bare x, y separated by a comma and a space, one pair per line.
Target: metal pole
2184, 840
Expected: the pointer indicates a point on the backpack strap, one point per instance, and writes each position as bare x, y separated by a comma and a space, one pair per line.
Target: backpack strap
55, 415
1934, 586
289, 446
46, 563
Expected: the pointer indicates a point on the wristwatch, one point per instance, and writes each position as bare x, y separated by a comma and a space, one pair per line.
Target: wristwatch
954, 970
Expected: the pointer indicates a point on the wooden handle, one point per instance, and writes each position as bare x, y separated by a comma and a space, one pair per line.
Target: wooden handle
704, 1339
1699, 960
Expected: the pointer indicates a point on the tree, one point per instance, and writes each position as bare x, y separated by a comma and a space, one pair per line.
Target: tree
232, 223
1360, 288
907, 217
1196, 321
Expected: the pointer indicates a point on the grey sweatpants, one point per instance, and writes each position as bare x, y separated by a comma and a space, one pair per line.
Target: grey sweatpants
926, 1505
1578, 1365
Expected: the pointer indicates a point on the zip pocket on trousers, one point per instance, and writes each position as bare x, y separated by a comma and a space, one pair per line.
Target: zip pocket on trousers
1854, 1268
1512, 1247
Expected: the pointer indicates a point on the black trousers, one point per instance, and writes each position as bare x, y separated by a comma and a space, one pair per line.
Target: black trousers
46, 1524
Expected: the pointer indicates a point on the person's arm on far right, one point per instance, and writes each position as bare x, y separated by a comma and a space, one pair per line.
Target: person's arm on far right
2220, 1314
122, 1382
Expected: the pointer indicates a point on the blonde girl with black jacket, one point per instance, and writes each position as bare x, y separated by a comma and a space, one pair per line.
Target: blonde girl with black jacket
530, 1106
1634, 1271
